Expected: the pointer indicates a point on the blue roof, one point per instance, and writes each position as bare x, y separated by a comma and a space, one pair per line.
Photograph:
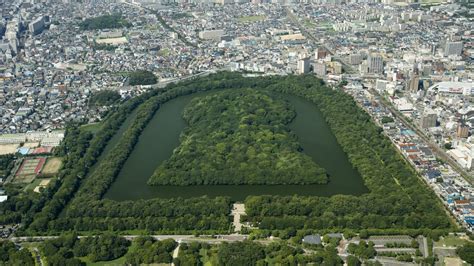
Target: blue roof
432, 173
469, 220
23, 150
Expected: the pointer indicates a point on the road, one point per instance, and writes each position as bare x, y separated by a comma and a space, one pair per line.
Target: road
390, 262
201, 74
396, 250
400, 117
435, 148
178, 238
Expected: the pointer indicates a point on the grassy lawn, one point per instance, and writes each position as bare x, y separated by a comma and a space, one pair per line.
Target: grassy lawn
32, 185
325, 24
93, 127
164, 52
308, 23
209, 260
432, 1
119, 261
453, 261
251, 18
31, 247
450, 241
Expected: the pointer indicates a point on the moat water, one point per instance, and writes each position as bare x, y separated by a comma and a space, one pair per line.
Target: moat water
161, 137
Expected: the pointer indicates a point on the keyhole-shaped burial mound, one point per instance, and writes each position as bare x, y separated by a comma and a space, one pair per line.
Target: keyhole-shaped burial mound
238, 137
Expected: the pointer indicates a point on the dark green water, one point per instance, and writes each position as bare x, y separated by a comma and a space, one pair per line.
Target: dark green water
161, 137
115, 139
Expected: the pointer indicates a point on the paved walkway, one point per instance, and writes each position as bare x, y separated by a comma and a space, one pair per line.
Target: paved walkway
425, 247
237, 210
175, 253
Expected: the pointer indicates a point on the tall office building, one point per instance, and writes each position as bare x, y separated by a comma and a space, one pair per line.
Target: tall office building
355, 59
375, 64
413, 83
320, 69
303, 64
453, 48
462, 131
428, 119
320, 53
37, 25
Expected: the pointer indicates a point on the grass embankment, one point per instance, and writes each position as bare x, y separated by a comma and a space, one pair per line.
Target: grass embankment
252, 18
451, 241
92, 128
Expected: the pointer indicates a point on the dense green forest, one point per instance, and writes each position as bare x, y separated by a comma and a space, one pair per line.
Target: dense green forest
192, 254
104, 97
142, 77
104, 22
6, 164
67, 249
147, 250
466, 252
398, 201
275, 253
10, 254
238, 137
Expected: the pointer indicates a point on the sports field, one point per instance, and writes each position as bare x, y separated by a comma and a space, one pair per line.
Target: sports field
52, 166
29, 169
112, 41
8, 148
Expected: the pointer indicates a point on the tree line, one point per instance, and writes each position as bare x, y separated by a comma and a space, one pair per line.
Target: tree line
10, 254
147, 250
68, 249
397, 198
142, 77
78, 183
80, 150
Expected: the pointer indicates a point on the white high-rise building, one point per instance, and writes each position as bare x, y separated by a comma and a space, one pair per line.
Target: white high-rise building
375, 64
453, 48
303, 64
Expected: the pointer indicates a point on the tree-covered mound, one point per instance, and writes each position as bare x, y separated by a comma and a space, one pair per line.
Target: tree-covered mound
238, 137
104, 97
104, 22
142, 77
